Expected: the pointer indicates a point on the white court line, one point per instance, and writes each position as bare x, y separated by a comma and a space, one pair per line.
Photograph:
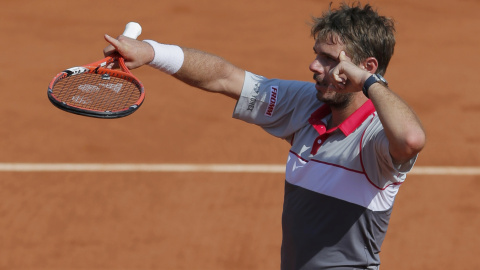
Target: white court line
130, 167
229, 168
431, 170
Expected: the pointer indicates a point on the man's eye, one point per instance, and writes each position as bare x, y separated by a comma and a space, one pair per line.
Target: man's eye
330, 59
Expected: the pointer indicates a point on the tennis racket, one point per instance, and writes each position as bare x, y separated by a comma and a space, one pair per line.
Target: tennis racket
98, 91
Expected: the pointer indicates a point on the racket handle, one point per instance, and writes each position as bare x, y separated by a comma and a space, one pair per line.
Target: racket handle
132, 30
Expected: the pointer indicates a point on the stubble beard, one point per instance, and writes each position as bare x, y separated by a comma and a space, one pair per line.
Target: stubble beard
338, 101
334, 99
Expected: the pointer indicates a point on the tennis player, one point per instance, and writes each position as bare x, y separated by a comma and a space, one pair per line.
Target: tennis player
353, 140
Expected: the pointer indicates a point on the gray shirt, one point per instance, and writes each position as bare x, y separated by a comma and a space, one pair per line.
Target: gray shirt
340, 183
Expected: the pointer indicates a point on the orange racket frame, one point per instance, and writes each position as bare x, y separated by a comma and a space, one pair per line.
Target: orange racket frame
92, 98
99, 68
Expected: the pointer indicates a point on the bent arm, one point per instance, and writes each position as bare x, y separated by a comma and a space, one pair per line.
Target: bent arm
402, 127
199, 69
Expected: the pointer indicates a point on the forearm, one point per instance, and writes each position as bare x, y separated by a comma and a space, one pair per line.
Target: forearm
402, 126
197, 68
211, 73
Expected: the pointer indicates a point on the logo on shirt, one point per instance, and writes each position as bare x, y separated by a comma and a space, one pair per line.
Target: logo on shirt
272, 102
253, 98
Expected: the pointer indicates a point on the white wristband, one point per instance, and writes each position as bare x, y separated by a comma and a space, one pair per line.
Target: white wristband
168, 58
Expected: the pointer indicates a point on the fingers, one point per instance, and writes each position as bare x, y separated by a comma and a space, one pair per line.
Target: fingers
339, 82
337, 73
114, 45
113, 48
343, 57
111, 40
338, 76
347, 73
136, 53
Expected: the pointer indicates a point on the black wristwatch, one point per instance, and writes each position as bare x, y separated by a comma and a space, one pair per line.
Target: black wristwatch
371, 80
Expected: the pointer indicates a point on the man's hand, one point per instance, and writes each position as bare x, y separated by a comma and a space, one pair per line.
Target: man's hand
347, 72
136, 53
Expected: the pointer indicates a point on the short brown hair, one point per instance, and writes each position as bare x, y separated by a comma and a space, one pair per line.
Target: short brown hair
364, 32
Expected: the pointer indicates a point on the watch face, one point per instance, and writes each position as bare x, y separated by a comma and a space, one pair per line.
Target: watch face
382, 79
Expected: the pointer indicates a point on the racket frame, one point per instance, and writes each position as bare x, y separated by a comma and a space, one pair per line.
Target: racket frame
98, 67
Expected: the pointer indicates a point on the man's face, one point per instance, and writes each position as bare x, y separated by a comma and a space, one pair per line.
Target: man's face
327, 53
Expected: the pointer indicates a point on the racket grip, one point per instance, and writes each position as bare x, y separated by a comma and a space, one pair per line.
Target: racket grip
132, 30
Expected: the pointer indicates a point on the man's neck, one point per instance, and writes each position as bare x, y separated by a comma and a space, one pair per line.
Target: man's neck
340, 114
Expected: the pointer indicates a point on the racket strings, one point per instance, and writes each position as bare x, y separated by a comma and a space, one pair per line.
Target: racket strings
99, 92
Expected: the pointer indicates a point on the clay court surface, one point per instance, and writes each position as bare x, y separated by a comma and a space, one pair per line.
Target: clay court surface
216, 220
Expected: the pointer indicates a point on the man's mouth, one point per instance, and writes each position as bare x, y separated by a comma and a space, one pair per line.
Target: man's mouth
321, 85
319, 82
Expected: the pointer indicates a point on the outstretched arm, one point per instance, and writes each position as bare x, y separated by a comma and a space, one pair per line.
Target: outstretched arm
196, 68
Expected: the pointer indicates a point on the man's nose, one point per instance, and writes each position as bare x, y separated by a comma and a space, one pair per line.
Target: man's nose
316, 67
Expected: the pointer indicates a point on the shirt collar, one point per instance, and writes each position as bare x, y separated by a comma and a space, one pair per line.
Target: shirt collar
347, 126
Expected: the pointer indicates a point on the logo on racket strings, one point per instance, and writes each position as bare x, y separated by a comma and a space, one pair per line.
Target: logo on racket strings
89, 88
81, 100
115, 87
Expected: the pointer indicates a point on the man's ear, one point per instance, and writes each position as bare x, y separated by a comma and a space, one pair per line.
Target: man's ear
370, 64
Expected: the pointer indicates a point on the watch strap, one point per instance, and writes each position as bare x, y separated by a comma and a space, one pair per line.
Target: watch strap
371, 80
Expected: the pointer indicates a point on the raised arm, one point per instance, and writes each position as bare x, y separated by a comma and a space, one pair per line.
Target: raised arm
196, 68
402, 127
